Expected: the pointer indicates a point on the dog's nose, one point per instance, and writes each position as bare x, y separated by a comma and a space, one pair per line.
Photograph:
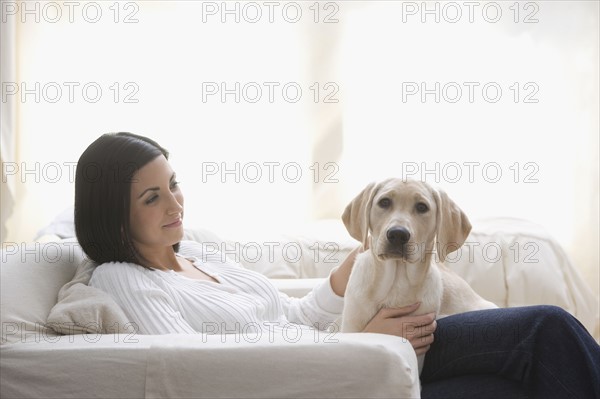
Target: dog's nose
398, 235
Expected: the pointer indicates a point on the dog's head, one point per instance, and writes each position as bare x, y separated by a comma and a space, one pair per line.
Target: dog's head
405, 219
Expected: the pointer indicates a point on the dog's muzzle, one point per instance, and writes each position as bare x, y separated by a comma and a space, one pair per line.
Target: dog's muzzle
398, 236
397, 243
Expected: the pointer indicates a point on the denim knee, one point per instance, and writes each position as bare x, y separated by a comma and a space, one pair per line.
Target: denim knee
551, 315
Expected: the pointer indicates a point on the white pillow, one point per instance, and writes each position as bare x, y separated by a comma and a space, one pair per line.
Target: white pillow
62, 226
30, 276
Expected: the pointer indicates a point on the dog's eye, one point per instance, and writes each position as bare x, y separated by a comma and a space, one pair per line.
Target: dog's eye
384, 203
421, 207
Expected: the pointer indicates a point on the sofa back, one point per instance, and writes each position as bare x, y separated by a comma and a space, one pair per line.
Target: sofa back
510, 262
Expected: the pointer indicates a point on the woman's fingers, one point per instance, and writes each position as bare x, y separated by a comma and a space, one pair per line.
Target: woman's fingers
390, 320
423, 338
418, 330
422, 327
388, 313
421, 350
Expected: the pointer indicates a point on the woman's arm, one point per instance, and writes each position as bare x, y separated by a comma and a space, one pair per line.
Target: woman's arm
339, 277
323, 305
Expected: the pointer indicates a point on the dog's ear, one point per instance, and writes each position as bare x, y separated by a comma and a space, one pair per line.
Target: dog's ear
356, 214
453, 226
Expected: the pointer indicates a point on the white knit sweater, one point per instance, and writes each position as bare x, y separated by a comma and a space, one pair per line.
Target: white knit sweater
163, 302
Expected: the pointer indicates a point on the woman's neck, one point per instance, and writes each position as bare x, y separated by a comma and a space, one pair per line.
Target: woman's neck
160, 258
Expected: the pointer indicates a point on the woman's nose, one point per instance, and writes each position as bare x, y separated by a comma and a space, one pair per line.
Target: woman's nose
175, 205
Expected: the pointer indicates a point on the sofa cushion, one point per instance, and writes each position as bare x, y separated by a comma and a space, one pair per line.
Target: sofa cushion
31, 275
514, 262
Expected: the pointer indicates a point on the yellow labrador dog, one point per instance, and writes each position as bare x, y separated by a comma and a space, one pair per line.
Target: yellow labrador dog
405, 221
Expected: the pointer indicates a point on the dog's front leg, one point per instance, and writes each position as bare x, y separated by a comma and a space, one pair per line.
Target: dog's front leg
368, 286
357, 314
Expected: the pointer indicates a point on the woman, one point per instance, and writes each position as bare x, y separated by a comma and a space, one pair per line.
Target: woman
128, 219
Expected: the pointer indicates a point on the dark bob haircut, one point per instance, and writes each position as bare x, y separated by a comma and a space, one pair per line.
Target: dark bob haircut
103, 195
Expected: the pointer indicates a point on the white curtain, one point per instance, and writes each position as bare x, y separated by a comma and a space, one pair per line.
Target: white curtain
416, 103
8, 131
249, 165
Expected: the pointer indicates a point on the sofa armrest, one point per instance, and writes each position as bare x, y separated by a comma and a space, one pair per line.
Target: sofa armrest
302, 363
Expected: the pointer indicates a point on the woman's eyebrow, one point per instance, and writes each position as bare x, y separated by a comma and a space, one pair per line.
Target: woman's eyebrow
156, 188
149, 189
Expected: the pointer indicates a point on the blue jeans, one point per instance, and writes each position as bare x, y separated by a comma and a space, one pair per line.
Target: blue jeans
525, 352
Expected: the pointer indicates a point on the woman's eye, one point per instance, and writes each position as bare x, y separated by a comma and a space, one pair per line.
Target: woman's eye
151, 199
174, 184
384, 203
421, 207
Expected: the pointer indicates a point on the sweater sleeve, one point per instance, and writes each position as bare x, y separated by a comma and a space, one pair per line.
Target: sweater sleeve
144, 302
319, 308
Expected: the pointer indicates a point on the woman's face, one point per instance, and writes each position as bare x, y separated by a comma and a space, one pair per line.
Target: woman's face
156, 210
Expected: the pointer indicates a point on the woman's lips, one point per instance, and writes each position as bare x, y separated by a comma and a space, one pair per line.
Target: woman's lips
176, 223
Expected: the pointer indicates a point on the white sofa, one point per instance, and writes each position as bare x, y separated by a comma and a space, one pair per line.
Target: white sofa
508, 261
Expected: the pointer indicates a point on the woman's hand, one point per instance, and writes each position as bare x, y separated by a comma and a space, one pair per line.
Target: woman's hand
418, 330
